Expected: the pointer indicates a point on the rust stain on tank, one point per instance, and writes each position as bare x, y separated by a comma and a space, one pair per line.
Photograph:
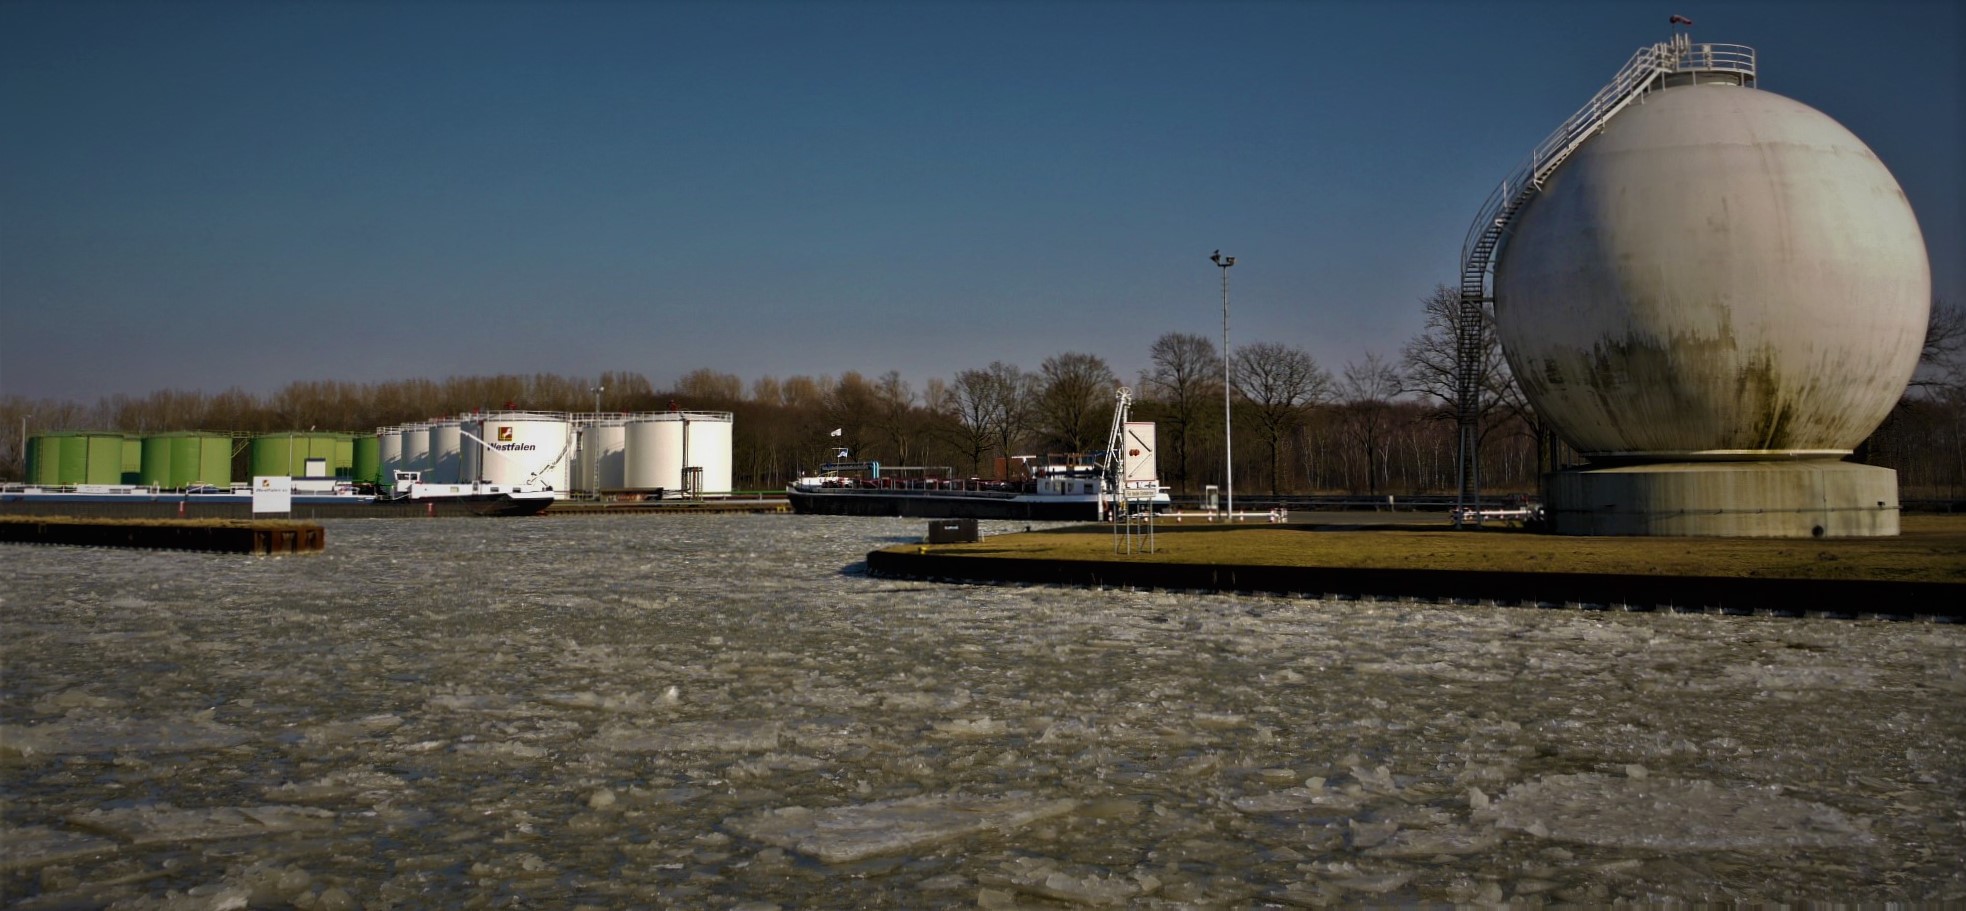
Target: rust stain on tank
1766, 412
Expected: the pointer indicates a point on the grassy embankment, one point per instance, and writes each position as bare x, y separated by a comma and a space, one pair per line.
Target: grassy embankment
1930, 549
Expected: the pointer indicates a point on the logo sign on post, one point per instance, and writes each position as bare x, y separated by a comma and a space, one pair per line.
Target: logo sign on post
273, 494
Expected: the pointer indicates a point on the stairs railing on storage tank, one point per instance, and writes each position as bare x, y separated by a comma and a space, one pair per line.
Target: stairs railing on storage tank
1490, 229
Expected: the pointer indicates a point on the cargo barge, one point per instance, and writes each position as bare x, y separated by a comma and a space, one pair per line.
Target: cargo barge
1073, 492
310, 499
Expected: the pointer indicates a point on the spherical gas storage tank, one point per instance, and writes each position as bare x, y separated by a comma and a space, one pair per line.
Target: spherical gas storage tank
446, 452
302, 455
527, 448
1718, 296
663, 449
187, 459
72, 457
1721, 274
603, 459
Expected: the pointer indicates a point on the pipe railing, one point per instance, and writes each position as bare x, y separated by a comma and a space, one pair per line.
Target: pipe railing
1646, 65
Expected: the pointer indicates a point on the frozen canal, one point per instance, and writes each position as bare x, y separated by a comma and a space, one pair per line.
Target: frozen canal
725, 712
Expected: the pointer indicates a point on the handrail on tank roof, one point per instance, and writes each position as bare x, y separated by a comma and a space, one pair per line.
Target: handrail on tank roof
1724, 58
1640, 74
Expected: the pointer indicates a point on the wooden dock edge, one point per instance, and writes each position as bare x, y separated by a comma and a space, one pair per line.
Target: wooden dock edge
260, 538
1944, 601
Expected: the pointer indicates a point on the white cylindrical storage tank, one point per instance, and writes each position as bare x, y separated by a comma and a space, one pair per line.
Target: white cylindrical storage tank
390, 441
603, 455
471, 454
708, 448
528, 448
446, 453
661, 448
416, 446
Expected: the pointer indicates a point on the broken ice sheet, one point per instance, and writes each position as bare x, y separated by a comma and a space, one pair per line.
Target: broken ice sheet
692, 737
165, 823
1448, 841
1670, 814
844, 834
141, 735
337, 785
34, 846
1069, 882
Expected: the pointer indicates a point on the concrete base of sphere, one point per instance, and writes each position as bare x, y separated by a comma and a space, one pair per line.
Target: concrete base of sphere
1726, 499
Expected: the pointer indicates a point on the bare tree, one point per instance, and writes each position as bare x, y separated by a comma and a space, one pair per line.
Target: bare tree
626, 391
893, 415
1019, 390
849, 407
1430, 363
706, 388
1075, 400
1278, 382
980, 405
1185, 379
1367, 389
765, 390
805, 393
1430, 368
1942, 360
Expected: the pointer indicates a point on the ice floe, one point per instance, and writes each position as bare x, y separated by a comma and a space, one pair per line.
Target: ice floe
1676, 814
163, 823
842, 834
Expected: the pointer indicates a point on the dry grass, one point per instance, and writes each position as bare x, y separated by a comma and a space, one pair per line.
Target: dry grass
1931, 549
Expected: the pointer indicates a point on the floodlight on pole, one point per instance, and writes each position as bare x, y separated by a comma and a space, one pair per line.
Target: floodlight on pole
1228, 426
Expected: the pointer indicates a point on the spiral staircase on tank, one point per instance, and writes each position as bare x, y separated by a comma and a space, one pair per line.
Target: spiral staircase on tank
1665, 63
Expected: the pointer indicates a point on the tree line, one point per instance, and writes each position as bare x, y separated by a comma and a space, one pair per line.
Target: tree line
1377, 425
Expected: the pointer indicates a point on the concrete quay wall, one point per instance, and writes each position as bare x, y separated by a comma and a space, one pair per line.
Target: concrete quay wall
1799, 597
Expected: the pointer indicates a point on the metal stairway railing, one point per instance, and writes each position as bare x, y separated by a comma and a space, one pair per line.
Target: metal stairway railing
1490, 229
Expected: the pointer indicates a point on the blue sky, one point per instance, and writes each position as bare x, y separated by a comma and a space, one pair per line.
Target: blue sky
207, 195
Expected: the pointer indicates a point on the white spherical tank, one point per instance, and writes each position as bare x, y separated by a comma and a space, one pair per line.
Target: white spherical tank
527, 448
660, 447
603, 455
1722, 273
416, 446
446, 453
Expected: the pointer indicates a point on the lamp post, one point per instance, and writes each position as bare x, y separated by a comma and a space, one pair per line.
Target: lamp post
1228, 427
24, 479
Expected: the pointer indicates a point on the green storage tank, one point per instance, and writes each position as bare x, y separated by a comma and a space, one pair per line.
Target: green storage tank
368, 459
132, 459
43, 459
155, 470
176, 460
287, 454
81, 458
